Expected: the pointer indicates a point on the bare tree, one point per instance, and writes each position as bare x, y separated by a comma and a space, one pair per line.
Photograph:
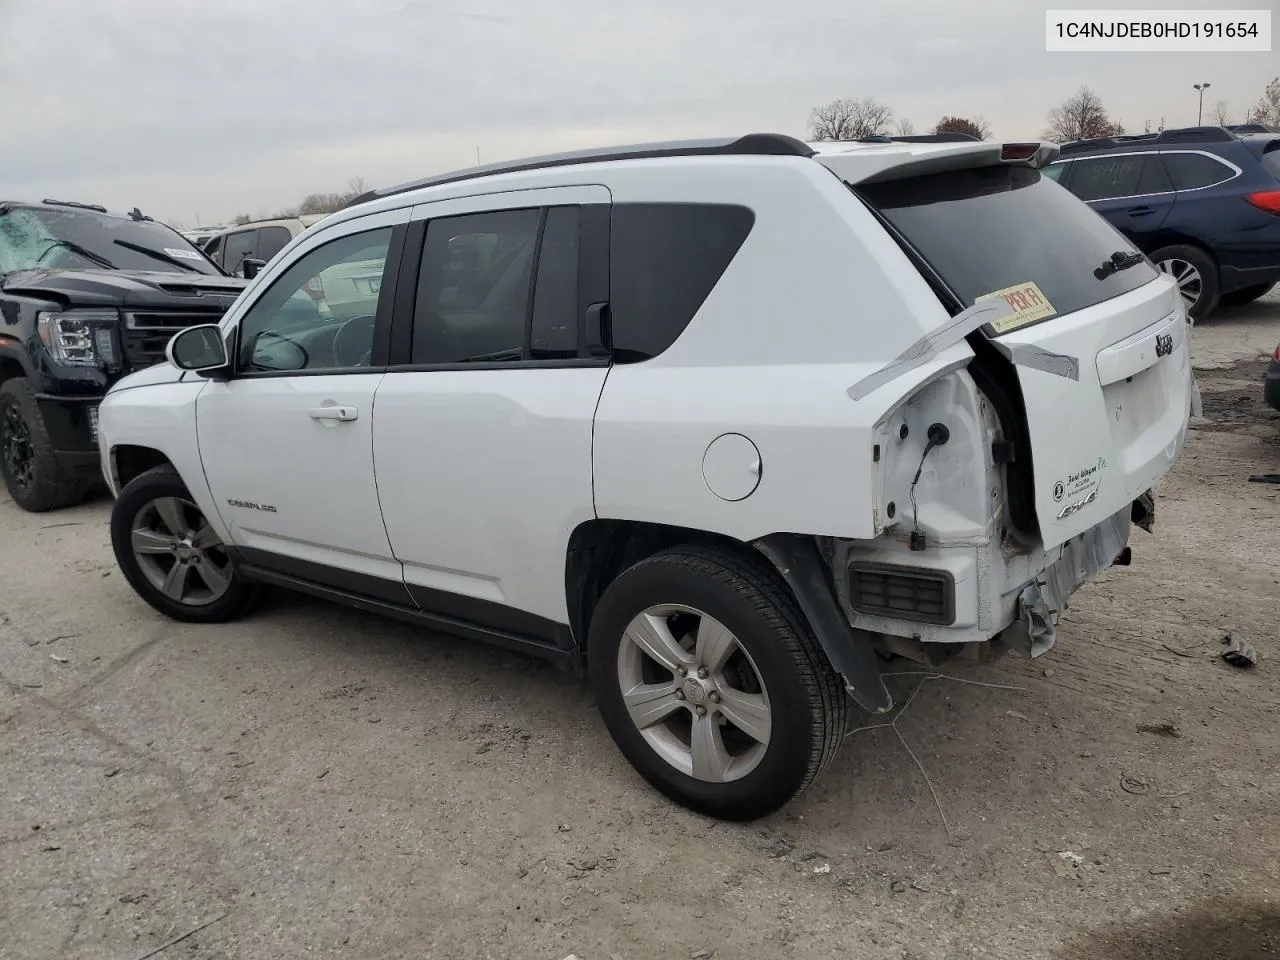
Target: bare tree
1222, 112
905, 128
848, 119
977, 127
1080, 117
357, 186
1267, 109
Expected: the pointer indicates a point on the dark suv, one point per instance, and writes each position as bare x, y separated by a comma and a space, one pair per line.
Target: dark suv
85, 297
1202, 202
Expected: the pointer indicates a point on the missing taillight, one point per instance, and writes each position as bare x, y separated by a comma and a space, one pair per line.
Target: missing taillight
1268, 200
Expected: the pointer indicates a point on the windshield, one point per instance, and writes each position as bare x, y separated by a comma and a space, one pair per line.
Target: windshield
994, 228
40, 238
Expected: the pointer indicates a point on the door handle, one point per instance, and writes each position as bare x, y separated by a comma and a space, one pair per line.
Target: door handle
334, 412
1142, 211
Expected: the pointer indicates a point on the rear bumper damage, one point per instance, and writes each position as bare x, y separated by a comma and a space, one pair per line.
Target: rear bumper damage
1042, 601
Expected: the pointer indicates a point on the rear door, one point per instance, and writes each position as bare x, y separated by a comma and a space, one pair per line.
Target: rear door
483, 430
1098, 337
1132, 190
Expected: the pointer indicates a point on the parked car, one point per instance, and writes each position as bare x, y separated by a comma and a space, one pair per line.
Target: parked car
1203, 203
1271, 386
200, 236
86, 296
718, 423
259, 240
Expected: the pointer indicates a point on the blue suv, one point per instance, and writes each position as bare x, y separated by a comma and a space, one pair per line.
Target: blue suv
1202, 202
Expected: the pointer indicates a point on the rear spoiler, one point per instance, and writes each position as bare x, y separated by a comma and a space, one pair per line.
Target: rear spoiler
875, 163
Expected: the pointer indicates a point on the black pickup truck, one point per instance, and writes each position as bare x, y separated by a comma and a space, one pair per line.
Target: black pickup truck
86, 297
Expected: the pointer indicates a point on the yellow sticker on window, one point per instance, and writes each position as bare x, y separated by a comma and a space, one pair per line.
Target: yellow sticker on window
1028, 303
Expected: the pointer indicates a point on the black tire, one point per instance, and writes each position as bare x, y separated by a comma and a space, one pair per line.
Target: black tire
1238, 298
1207, 300
162, 483
807, 699
32, 474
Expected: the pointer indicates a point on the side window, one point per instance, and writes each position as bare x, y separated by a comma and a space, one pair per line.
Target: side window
237, 246
1055, 171
1191, 171
212, 249
271, 240
1104, 178
474, 288
553, 332
319, 314
664, 260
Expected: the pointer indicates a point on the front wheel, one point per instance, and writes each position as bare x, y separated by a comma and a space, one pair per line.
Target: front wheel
32, 474
1238, 298
712, 683
170, 554
1196, 275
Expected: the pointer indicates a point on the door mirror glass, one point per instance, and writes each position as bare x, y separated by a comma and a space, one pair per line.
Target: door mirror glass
250, 267
198, 348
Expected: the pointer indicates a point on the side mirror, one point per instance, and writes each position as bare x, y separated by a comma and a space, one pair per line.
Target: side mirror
250, 267
200, 349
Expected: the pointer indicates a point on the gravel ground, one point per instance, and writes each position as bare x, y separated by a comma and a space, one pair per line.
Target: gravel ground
317, 782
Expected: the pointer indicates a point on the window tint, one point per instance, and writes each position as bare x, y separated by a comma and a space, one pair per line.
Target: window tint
664, 260
1101, 178
1271, 159
1055, 171
271, 240
1192, 170
319, 314
474, 287
554, 326
987, 229
237, 246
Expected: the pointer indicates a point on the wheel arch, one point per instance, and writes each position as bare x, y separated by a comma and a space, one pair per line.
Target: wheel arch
128, 460
601, 549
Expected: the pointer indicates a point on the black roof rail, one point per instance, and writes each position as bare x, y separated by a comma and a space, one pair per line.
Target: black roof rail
96, 207
1176, 135
921, 138
753, 144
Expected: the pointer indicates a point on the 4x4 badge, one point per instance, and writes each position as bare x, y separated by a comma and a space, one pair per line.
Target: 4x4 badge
1164, 344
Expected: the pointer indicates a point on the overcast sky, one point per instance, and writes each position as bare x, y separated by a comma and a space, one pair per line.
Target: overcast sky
208, 108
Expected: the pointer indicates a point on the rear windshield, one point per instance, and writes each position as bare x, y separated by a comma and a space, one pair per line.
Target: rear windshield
993, 229
1271, 158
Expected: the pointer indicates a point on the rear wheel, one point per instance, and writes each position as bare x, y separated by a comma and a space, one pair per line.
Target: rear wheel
171, 555
1238, 298
1196, 275
32, 474
712, 683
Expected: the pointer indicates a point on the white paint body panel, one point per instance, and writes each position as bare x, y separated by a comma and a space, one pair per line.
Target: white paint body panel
482, 475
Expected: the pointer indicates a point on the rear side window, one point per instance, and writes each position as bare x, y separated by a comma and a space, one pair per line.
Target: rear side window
988, 229
664, 259
271, 240
1191, 171
1108, 178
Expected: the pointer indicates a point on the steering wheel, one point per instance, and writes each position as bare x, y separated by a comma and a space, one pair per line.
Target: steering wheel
353, 343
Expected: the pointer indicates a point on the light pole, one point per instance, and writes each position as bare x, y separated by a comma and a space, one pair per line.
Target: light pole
1202, 87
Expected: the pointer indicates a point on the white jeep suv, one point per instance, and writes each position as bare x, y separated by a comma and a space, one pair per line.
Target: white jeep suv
720, 423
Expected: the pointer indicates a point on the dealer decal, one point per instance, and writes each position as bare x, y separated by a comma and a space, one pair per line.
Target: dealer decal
1079, 488
1028, 303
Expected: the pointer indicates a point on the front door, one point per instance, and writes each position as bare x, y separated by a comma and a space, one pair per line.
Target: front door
287, 442
482, 437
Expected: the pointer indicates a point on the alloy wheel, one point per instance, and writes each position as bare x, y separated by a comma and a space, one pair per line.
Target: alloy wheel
179, 553
694, 693
18, 453
1187, 277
